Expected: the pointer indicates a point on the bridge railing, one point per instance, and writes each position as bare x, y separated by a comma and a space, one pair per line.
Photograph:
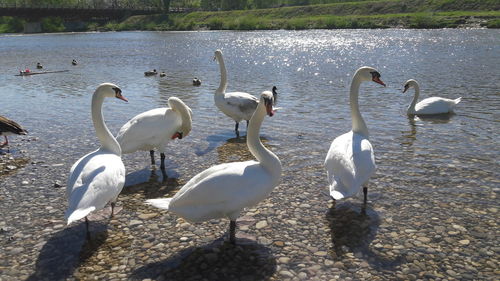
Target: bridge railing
23, 4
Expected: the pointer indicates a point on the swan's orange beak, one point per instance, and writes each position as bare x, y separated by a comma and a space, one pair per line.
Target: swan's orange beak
177, 135
269, 109
119, 96
377, 80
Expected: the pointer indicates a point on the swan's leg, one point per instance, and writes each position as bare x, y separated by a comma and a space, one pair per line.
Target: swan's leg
236, 126
162, 157
152, 153
248, 121
365, 192
5, 143
112, 209
87, 228
232, 232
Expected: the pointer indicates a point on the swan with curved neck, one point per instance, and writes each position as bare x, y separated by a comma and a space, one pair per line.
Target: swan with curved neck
98, 177
237, 105
154, 128
350, 161
225, 190
428, 106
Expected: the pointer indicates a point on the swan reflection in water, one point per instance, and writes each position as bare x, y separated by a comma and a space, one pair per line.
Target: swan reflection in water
353, 228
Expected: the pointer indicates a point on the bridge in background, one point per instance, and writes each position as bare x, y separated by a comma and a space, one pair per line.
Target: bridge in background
81, 11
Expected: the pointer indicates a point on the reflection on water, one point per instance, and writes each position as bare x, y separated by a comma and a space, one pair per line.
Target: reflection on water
215, 261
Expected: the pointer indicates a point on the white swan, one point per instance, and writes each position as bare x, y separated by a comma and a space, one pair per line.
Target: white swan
155, 128
350, 161
98, 177
237, 105
224, 190
428, 106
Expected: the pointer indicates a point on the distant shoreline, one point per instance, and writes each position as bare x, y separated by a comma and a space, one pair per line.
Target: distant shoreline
346, 15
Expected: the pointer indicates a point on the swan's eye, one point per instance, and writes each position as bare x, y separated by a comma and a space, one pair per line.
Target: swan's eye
118, 91
375, 74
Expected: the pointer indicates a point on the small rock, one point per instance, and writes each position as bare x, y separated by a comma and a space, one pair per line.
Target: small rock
261, 224
464, 242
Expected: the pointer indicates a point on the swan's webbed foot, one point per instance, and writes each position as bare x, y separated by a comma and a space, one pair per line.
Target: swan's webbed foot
162, 161
87, 228
232, 232
152, 153
365, 193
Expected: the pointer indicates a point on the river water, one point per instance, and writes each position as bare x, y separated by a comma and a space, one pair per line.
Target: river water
432, 210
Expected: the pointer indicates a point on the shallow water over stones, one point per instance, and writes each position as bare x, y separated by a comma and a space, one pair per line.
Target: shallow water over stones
432, 211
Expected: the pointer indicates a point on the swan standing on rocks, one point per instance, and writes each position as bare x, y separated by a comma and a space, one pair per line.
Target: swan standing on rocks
237, 105
428, 106
350, 161
10, 127
226, 189
98, 177
155, 128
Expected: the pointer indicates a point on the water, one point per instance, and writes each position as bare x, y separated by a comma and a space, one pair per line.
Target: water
436, 179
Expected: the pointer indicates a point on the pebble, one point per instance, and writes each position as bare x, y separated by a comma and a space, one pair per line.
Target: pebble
261, 224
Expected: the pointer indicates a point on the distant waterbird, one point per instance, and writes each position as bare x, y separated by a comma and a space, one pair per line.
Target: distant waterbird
10, 127
428, 106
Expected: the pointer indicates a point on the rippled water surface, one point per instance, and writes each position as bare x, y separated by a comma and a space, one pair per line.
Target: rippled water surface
432, 210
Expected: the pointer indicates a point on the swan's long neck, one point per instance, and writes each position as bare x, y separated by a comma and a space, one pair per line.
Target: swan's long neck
358, 124
411, 107
184, 111
107, 140
223, 76
267, 159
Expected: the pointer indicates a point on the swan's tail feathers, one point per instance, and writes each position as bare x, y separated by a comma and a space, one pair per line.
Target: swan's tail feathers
336, 195
78, 214
458, 100
162, 203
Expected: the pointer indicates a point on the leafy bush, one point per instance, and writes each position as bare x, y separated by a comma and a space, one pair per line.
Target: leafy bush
52, 24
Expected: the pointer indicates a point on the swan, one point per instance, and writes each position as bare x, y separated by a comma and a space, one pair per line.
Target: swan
224, 190
155, 128
428, 106
98, 177
237, 105
9, 127
350, 161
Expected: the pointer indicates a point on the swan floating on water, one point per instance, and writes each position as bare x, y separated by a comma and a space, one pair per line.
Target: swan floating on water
98, 177
10, 127
225, 190
237, 105
428, 106
350, 161
153, 129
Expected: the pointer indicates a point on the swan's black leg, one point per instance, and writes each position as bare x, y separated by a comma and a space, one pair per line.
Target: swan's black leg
87, 228
232, 232
162, 157
365, 192
152, 153
112, 209
248, 121
236, 126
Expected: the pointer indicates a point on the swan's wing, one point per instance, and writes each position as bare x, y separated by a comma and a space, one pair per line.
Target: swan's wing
349, 164
242, 102
435, 105
221, 191
148, 130
97, 179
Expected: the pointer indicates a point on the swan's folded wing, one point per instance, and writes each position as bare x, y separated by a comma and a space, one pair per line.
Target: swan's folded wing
99, 179
244, 102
